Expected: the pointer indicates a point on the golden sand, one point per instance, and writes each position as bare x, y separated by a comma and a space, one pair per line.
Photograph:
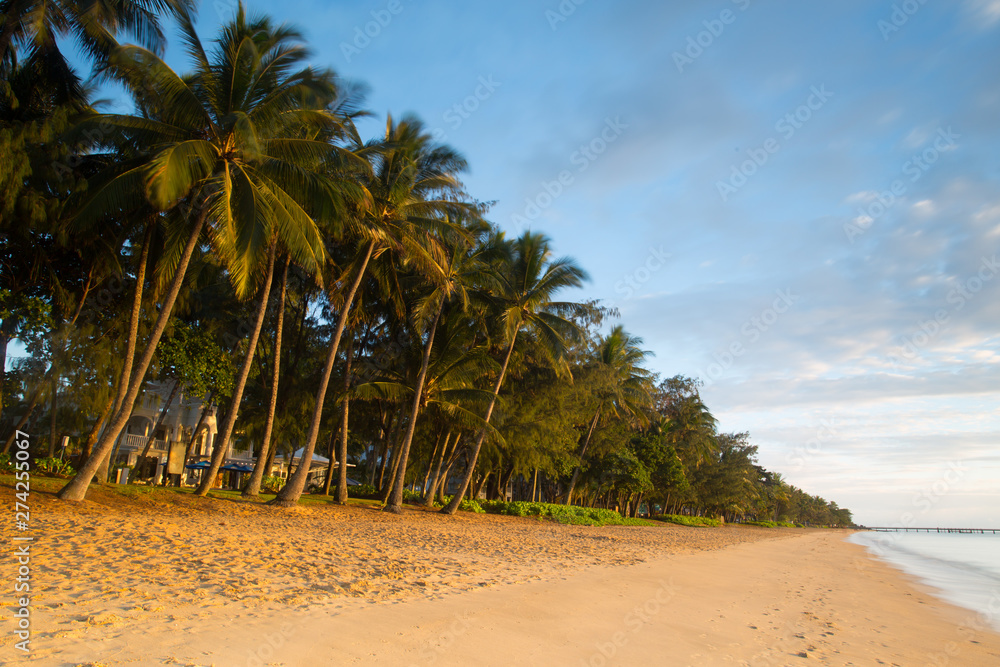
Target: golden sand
180, 580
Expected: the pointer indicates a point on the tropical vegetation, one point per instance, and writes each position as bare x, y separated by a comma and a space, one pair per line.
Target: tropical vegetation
234, 233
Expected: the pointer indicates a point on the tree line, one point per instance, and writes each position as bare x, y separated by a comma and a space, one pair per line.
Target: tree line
234, 233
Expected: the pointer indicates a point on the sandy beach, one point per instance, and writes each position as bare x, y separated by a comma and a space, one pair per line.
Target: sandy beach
133, 581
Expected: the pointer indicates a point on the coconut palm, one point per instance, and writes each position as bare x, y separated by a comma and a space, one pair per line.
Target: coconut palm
452, 371
456, 275
413, 187
30, 29
522, 291
252, 488
346, 107
624, 392
227, 143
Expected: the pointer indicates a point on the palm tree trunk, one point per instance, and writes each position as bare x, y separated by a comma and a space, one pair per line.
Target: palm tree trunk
434, 469
262, 465
206, 406
4, 339
159, 420
456, 500
95, 430
222, 443
24, 420
438, 477
390, 438
292, 491
342, 449
583, 451
53, 407
331, 453
430, 466
386, 491
77, 487
478, 487
130, 344
396, 504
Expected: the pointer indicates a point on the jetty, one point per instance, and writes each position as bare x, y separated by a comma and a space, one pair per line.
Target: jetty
908, 529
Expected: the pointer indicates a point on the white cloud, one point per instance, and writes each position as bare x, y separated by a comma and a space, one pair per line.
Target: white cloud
986, 12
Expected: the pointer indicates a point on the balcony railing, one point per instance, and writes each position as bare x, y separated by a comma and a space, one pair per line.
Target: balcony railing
136, 443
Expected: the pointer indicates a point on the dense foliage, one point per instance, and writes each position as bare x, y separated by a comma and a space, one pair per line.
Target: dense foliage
233, 233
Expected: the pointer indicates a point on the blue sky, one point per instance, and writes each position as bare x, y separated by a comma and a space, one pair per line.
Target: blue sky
797, 202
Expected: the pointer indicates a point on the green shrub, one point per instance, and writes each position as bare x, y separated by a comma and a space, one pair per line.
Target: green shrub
6, 465
362, 491
471, 506
270, 484
412, 496
762, 524
566, 514
53, 467
696, 521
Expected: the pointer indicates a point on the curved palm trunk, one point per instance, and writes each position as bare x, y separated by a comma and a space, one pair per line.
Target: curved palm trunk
77, 487
159, 420
396, 501
206, 407
292, 491
53, 408
583, 452
428, 499
456, 500
130, 344
436, 455
24, 420
222, 444
388, 448
266, 456
342, 447
95, 430
386, 489
4, 340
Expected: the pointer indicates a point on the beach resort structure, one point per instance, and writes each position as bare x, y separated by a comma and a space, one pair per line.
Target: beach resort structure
191, 434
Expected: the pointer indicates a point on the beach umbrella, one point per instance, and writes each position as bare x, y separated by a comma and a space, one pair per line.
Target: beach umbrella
200, 465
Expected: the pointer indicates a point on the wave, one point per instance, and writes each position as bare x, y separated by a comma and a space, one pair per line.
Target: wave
964, 572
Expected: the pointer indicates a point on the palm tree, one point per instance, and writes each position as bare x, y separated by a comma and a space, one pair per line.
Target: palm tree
692, 429
413, 186
455, 276
458, 274
522, 291
252, 488
347, 107
625, 387
29, 30
226, 141
453, 369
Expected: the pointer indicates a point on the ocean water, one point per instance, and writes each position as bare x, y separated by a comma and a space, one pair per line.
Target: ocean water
963, 569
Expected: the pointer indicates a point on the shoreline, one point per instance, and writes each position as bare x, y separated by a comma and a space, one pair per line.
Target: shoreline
224, 583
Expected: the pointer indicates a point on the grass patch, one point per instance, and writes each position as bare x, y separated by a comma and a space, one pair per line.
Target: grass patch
772, 524
565, 514
695, 521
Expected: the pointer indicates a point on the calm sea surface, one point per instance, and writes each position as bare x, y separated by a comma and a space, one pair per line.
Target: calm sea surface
964, 569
